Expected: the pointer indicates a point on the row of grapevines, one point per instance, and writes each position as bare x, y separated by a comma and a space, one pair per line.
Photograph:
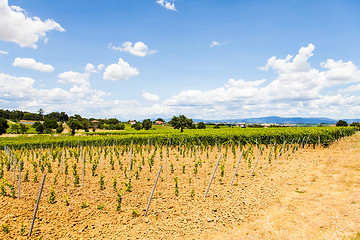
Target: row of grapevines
313, 135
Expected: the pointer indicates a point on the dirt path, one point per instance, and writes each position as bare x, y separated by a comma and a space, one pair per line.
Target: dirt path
322, 201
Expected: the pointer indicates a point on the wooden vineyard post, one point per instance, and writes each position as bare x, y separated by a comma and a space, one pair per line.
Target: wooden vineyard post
282, 147
296, 145
14, 166
269, 156
152, 193
256, 146
306, 141
237, 166
130, 164
195, 152
252, 173
212, 176
62, 156
165, 157
83, 170
37, 205
99, 155
19, 178
287, 153
319, 140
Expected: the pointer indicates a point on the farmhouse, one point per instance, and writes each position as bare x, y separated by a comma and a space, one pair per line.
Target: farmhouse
159, 123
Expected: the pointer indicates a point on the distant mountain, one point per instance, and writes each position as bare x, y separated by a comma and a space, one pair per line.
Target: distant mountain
274, 119
277, 120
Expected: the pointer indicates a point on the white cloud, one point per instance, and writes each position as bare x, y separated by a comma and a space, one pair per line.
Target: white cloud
139, 49
4, 52
30, 63
214, 43
167, 4
90, 68
150, 97
16, 26
100, 67
298, 64
120, 71
217, 44
298, 90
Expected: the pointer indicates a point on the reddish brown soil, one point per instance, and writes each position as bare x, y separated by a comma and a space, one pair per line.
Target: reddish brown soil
313, 194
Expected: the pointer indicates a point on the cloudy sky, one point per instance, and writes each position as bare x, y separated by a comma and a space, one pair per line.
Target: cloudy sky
210, 59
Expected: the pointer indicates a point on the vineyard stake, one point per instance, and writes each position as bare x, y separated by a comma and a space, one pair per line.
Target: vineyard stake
14, 166
301, 145
37, 205
282, 147
165, 158
212, 176
130, 164
269, 156
252, 173
83, 171
287, 153
99, 155
237, 166
256, 146
19, 178
62, 155
306, 141
152, 193
296, 145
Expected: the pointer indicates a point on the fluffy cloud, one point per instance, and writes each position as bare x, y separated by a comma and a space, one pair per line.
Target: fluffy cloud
289, 64
139, 49
16, 26
120, 71
150, 97
90, 68
100, 67
30, 63
298, 90
167, 4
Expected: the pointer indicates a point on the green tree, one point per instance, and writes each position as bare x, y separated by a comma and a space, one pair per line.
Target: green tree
113, 121
3, 125
355, 124
23, 128
59, 129
120, 126
14, 128
341, 123
201, 125
181, 122
58, 117
39, 127
147, 124
50, 123
74, 124
40, 112
137, 126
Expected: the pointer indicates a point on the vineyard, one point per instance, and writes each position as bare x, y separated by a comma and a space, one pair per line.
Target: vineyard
108, 185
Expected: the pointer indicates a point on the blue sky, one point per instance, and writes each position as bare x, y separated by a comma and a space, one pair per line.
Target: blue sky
207, 59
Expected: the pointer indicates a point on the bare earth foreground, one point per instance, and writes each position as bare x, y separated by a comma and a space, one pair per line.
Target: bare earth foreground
313, 194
